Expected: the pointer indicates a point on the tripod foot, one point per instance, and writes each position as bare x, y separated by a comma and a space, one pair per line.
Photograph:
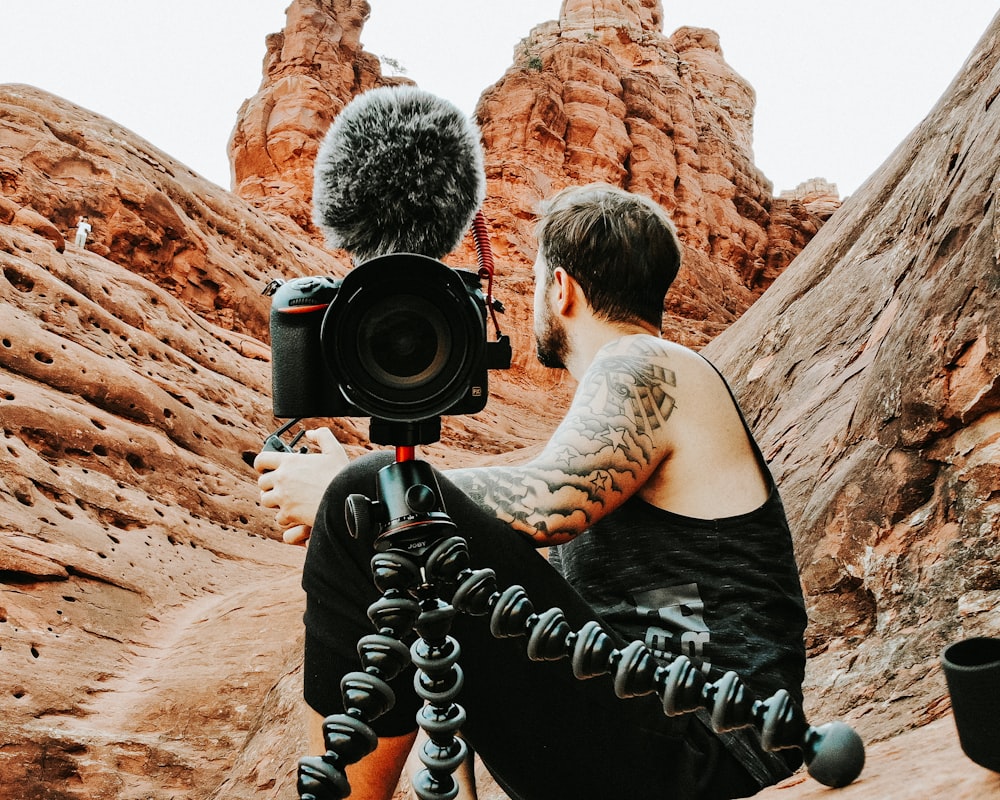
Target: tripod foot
834, 754
321, 779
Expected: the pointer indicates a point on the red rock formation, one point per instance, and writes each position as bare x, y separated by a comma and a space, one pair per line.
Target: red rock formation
149, 622
870, 370
311, 70
133, 375
602, 94
150, 214
818, 195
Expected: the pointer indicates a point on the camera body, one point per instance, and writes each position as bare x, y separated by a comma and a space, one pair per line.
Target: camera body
401, 338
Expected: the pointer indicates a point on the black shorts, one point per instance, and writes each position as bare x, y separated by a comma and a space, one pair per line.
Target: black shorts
541, 732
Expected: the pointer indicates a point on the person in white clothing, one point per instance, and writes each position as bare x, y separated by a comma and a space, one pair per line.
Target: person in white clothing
83, 229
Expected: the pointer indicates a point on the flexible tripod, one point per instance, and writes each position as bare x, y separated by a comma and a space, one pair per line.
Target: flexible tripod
418, 550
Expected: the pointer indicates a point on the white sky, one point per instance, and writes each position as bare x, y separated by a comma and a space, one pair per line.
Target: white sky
839, 84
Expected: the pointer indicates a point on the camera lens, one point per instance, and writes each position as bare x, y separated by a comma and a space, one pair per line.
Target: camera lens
404, 338
404, 341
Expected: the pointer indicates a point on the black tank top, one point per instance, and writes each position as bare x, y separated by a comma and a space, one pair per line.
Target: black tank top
724, 592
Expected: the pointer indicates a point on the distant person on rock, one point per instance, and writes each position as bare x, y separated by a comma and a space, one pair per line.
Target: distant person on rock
83, 229
661, 517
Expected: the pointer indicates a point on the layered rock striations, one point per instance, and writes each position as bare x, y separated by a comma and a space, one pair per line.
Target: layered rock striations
135, 563
151, 214
870, 370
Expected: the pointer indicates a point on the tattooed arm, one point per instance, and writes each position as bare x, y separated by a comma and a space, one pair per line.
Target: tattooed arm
610, 442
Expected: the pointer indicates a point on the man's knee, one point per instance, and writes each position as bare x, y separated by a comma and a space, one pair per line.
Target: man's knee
359, 476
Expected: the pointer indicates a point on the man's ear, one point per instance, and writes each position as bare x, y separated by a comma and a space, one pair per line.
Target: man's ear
567, 291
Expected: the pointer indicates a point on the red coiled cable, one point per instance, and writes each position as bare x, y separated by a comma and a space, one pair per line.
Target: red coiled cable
484, 254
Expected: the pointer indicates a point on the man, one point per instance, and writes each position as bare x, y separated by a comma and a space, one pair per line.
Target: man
660, 513
83, 229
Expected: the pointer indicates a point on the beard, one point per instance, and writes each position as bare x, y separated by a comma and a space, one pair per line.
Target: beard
551, 342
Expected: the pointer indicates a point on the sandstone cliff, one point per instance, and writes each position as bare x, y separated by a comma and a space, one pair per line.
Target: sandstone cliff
603, 94
871, 368
133, 374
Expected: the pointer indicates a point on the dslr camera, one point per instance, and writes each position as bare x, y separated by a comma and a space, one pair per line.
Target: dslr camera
401, 339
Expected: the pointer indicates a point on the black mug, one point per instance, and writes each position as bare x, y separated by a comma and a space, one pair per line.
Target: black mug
972, 670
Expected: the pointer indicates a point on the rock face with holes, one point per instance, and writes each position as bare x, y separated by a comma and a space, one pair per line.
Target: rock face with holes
133, 374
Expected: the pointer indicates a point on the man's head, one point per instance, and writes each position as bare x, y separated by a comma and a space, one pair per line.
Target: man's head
622, 250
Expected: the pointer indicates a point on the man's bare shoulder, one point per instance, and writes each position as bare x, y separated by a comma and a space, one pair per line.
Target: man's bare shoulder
710, 469
697, 391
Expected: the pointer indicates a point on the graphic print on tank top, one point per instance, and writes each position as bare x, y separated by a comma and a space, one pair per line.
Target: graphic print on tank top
676, 623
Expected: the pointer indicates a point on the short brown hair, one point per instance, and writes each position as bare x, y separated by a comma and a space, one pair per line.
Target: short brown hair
620, 247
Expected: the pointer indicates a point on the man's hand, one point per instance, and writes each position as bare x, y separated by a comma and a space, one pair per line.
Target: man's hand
294, 483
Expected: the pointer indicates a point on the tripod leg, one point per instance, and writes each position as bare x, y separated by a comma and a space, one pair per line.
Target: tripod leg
834, 753
465, 775
439, 678
366, 694
407, 603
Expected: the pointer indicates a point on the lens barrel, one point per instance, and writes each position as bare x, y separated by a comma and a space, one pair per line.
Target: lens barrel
406, 338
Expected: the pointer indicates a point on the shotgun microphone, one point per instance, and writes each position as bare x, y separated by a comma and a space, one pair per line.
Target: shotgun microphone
399, 171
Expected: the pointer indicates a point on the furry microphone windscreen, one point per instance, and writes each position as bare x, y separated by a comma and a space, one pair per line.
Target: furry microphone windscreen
400, 171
